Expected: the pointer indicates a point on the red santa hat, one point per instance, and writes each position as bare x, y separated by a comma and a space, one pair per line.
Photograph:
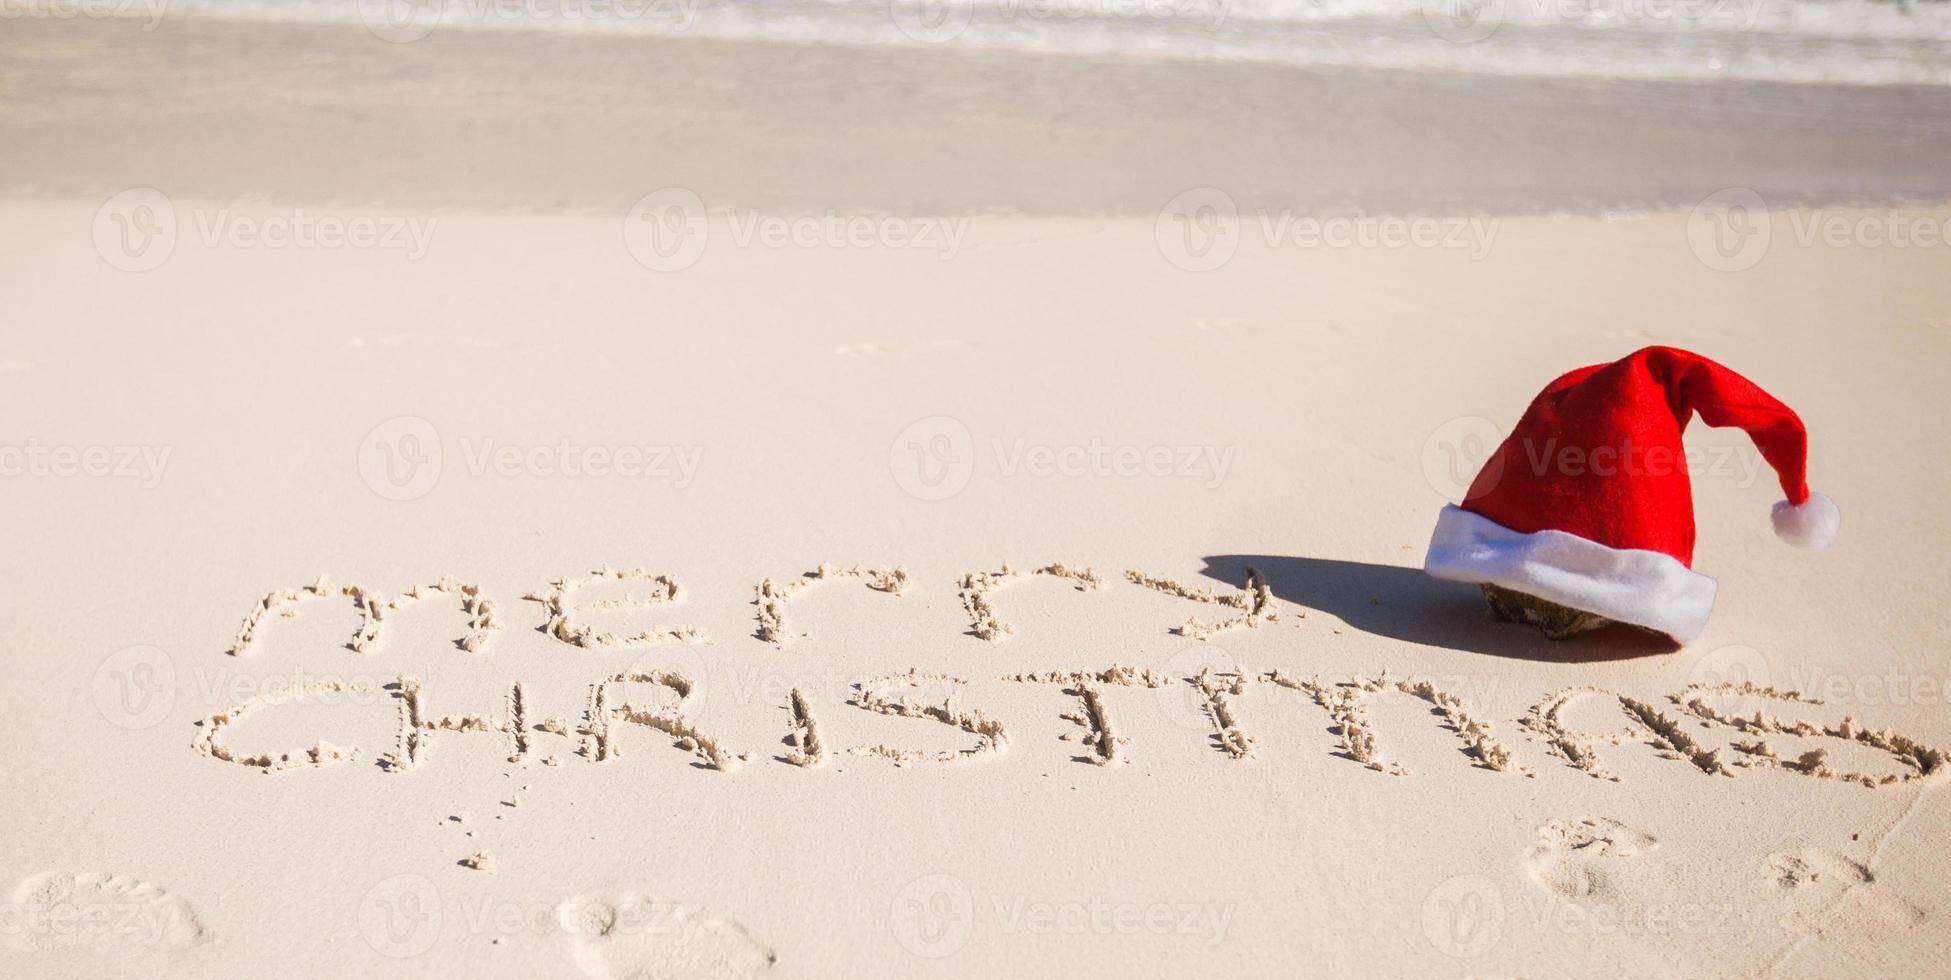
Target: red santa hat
1588, 504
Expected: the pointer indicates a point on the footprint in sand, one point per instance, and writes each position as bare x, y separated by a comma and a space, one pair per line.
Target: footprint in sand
59, 910
1578, 858
633, 936
1834, 896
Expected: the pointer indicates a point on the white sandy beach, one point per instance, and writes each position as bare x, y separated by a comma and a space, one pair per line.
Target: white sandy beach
497, 360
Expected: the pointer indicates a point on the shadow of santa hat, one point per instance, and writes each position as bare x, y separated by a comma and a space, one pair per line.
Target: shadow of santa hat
1588, 504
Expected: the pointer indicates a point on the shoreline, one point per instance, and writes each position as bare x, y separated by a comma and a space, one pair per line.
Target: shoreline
484, 120
1843, 42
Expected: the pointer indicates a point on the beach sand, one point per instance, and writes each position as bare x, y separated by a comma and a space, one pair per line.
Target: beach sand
511, 378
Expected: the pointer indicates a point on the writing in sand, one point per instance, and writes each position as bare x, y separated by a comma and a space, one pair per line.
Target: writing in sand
657, 699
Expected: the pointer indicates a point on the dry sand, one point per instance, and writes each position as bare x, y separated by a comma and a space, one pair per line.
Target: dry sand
656, 765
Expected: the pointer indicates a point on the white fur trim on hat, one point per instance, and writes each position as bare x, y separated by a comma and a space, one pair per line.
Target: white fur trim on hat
1630, 585
1813, 523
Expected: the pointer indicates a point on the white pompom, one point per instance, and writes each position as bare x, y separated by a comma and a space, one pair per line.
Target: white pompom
1810, 524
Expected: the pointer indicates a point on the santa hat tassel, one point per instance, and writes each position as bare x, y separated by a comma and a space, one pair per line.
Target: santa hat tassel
1804, 519
1813, 523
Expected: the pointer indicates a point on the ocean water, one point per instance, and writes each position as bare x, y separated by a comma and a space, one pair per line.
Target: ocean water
1866, 42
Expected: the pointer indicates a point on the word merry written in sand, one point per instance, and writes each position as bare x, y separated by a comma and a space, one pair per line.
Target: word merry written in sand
659, 699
